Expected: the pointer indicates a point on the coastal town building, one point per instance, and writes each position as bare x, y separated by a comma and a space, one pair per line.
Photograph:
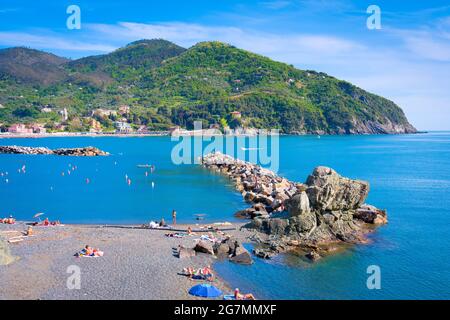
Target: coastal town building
124, 110
20, 128
104, 112
39, 129
236, 114
64, 114
46, 110
142, 130
123, 127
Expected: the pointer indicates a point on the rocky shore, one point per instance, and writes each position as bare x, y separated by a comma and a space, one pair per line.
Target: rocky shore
315, 217
80, 152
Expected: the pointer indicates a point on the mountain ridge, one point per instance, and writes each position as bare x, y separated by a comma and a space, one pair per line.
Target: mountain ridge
165, 85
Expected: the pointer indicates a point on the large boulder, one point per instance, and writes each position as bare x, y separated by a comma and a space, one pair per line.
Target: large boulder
370, 214
241, 255
327, 190
298, 204
184, 252
204, 247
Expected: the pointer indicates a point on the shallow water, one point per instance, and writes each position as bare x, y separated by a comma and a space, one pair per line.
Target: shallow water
409, 176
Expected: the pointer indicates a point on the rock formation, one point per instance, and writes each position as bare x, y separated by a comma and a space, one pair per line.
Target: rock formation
81, 152
327, 209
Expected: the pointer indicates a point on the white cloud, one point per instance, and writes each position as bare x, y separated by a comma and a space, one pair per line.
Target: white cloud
262, 42
50, 42
413, 72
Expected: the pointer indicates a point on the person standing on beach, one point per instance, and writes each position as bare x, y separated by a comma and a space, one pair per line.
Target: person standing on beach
174, 217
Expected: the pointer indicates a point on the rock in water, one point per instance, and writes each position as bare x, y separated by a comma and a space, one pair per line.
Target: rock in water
81, 152
371, 214
313, 256
327, 190
328, 208
242, 256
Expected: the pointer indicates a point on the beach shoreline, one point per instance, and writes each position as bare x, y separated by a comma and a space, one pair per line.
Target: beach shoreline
137, 263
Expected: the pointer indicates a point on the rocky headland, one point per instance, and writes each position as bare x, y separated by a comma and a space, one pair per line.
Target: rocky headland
315, 217
80, 152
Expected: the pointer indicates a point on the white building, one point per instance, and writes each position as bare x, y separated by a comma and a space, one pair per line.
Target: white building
122, 127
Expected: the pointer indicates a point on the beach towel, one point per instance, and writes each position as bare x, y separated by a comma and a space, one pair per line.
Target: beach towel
176, 235
208, 238
83, 253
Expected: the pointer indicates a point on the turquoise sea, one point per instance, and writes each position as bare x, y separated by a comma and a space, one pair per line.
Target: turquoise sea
409, 176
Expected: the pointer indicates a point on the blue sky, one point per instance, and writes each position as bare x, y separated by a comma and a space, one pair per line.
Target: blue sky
408, 60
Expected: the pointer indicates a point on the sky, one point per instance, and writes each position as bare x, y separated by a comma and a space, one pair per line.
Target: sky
407, 60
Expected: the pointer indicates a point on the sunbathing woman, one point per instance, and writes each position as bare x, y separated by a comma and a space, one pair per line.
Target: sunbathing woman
189, 271
241, 296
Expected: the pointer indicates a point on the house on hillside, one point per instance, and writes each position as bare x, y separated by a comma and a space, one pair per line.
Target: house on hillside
124, 110
236, 114
38, 128
20, 128
123, 127
104, 112
142, 130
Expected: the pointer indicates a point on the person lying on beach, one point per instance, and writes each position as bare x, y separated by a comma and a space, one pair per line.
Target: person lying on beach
190, 232
9, 220
47, 223
175, 235
199, 274
209, 237
153, 225
87, 251
241, 296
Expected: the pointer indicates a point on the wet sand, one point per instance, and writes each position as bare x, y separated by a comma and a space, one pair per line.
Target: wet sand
137, 263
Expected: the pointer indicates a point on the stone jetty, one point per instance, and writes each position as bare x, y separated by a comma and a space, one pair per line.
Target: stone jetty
80, 152
316, 216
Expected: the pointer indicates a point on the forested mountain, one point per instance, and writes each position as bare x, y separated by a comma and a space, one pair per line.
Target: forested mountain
166, 85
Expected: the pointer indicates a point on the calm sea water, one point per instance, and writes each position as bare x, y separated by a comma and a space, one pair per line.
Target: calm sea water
409, 176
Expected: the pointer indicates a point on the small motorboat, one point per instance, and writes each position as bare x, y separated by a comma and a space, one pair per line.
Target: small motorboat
144, 165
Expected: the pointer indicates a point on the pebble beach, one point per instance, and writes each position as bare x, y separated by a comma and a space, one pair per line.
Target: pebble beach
137, 263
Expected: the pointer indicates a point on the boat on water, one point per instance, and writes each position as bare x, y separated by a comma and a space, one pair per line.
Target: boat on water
144, 165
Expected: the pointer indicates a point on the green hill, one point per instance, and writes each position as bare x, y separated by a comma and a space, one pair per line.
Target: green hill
167, 85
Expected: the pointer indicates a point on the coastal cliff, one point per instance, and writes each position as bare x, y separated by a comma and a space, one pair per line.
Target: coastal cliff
315, 216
